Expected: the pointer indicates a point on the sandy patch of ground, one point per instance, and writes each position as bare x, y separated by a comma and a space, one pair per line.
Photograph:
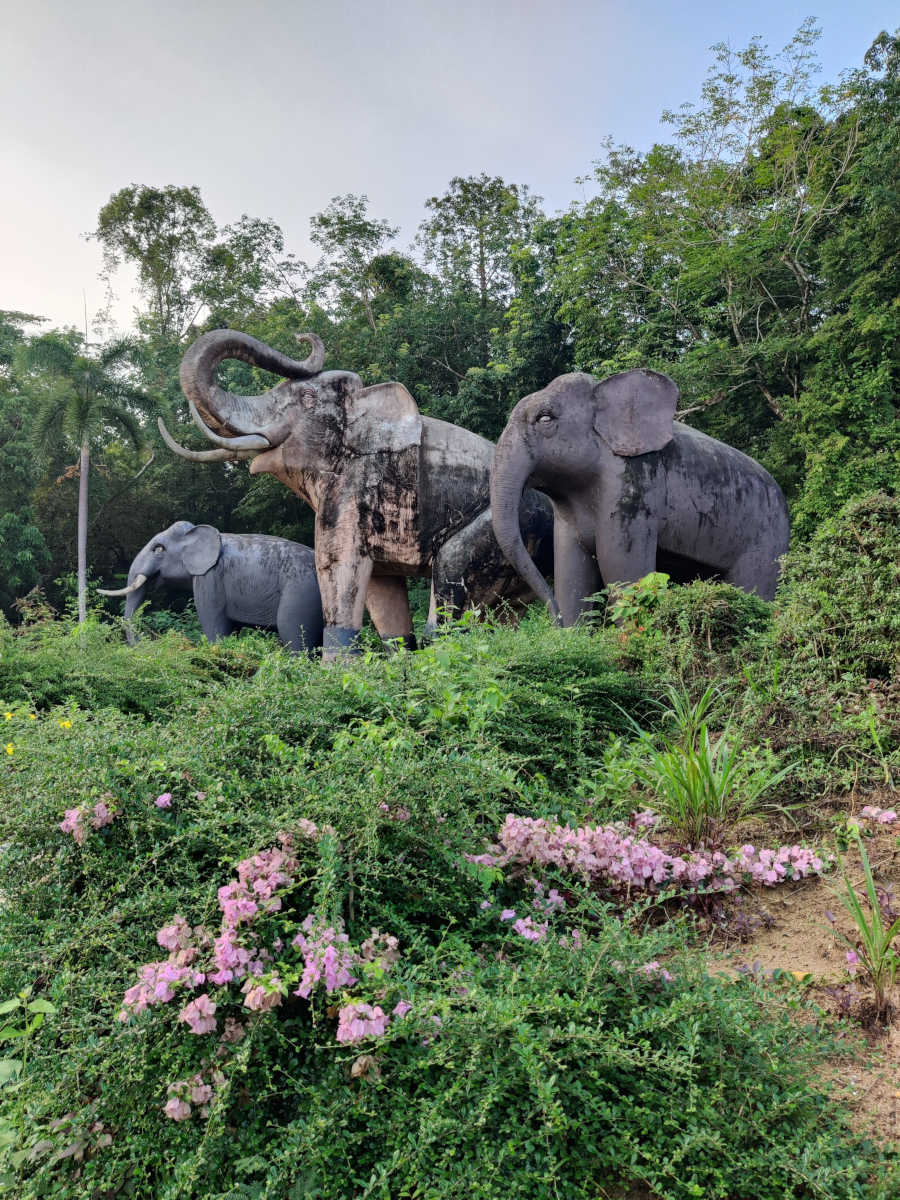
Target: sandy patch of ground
789, 929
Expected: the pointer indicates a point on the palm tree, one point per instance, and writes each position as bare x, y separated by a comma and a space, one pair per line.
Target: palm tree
84, 396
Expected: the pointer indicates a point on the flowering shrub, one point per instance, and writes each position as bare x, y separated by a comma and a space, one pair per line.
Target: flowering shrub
609, 856
80, 821
256, 970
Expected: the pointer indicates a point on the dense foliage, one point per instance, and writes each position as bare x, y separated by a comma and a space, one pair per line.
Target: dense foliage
754, 257
532, 1033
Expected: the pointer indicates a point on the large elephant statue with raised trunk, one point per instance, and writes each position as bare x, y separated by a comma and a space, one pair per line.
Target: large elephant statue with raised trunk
238, 579
633, 491
395, 494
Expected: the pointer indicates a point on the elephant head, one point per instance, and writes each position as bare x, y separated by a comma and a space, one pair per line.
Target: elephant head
172, 558
562, 439
307, 423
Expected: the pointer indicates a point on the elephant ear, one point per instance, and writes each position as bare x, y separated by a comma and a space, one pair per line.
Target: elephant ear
202, 546
634, 411
383, 417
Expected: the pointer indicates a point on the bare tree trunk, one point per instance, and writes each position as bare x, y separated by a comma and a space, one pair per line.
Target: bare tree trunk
83, 469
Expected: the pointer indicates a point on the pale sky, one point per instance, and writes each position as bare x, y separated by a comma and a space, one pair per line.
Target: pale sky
272, 108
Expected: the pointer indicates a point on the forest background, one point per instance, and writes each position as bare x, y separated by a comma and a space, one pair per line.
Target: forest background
753, 257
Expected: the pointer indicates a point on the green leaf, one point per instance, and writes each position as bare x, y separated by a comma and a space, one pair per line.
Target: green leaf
9, 1068
41, 1006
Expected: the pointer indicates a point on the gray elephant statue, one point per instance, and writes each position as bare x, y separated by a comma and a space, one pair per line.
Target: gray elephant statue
237, 578
395, 494
633, 491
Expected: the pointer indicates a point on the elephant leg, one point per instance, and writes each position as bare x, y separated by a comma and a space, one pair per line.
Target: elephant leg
299, 619
211, 603
628, 554
470, 571
753, 572
576, 574
343, 585
388, 605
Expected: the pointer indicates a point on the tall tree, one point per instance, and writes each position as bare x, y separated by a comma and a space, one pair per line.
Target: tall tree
472, 230
83, 397
166, 233
23, 550
702, 257
351, 243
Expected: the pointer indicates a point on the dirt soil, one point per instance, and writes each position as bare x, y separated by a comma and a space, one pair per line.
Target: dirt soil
791, 928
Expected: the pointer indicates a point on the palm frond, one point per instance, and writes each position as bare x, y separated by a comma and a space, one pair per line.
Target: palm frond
124, 421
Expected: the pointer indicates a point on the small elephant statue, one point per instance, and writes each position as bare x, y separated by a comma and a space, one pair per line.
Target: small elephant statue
396, 494
633, 491
237, 578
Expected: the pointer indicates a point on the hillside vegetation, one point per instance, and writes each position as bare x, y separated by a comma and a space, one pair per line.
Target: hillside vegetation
523, 1023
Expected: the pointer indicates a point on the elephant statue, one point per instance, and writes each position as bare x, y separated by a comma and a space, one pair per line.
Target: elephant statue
237, 579
395, 494
633, 491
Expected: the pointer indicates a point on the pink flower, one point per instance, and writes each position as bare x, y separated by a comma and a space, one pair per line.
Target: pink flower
73, 823
260, 999
401, 1008
508, 914
852, 961
199, 1015
358, 1021
102, 815
528, 930
176, 936
177, 1110
484, 904
201, 1093
164, 801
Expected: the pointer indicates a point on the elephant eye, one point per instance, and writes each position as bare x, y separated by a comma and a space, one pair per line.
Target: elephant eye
159, 549
545, 418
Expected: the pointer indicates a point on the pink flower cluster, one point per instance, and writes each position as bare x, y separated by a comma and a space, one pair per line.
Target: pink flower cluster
236, 951
198, 1090
326, 956
357, 1021
80, 821
607, 855
884, 816
237, 955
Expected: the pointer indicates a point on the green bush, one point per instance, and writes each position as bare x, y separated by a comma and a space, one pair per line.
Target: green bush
554, 1071
839, 605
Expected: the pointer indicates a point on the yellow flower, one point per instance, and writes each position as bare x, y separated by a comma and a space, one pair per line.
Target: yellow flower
65, 724
9, 748
8, 716
32, 717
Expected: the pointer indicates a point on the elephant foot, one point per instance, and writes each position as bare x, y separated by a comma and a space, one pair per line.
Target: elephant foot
339, 641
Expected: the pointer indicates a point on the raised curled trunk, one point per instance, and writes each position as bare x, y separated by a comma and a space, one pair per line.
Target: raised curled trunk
509, 476
223, 411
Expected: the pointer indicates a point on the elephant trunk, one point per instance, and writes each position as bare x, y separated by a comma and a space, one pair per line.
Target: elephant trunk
512, 467
223, 411
136, 597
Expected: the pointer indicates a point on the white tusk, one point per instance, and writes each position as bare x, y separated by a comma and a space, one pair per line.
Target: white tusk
194, 455
248, 441
139, 581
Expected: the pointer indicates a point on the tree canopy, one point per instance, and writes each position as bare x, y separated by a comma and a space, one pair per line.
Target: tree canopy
753, 256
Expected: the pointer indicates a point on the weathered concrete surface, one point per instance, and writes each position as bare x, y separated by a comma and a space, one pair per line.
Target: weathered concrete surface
237, 579
633, 491
390, 488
